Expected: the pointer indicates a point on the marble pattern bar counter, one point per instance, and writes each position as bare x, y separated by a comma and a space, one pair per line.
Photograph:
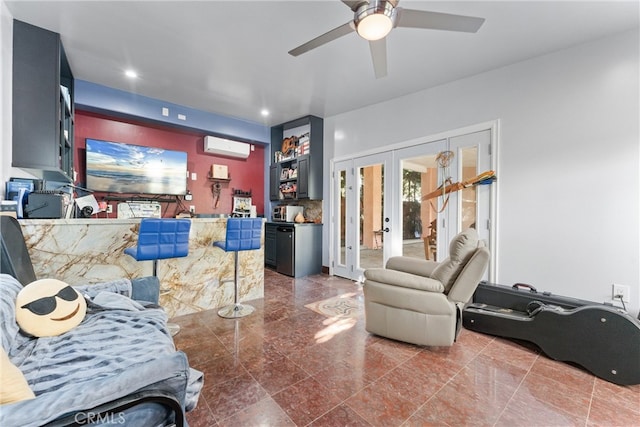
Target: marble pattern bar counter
80, 251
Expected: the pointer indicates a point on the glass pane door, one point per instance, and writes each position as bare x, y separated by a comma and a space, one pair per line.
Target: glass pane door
343, 190
419, 218
469, 202
470, 207
373, 220
361, 224
371, 239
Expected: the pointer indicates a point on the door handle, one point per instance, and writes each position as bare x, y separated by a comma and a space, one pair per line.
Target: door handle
386, 229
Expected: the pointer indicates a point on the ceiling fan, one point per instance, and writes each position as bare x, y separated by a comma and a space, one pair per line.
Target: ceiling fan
374, 19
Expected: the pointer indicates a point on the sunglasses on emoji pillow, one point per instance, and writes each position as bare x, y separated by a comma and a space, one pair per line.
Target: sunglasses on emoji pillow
49, 307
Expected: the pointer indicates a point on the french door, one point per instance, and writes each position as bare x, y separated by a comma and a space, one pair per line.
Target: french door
469, 207
361, 217
420, 225
378, 209
429, 225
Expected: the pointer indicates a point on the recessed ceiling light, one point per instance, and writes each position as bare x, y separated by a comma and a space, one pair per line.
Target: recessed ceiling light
264, 112
131, 74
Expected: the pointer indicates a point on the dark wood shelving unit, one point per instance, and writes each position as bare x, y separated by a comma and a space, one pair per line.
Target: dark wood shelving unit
43, 107
307, 184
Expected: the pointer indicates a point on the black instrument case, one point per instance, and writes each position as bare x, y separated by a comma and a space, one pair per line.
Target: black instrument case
603, 339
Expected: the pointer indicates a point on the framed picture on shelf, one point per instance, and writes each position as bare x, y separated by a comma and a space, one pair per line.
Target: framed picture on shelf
241, 206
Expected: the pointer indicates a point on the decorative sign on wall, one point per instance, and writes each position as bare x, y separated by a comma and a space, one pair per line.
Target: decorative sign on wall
219, 171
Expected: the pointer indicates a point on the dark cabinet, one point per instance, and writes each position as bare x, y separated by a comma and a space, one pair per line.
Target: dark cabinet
270, 253
296, 171
303, 177
42, 104
274, 182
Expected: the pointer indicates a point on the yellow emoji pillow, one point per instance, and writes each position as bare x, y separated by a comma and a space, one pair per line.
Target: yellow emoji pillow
49, 307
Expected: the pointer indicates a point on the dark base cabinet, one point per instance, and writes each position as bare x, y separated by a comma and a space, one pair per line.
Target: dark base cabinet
293, 249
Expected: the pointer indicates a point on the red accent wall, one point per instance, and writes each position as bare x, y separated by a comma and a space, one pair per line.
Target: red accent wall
246, 174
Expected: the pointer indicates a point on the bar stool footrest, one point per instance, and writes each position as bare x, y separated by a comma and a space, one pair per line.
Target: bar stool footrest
235, 311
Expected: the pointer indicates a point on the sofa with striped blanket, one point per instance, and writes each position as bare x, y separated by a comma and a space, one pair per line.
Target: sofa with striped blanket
118, 366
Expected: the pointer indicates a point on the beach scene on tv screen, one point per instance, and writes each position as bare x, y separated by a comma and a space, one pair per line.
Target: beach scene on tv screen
125, 168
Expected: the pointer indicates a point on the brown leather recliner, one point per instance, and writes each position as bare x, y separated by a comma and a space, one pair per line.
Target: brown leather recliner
420, 301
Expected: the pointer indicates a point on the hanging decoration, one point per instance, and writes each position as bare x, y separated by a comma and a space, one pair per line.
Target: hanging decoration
443, 159
483, 179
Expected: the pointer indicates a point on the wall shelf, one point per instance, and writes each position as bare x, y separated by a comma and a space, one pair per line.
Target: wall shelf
219, 179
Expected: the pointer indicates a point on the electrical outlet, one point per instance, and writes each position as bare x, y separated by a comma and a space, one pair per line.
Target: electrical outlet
620, 290
109, 208
192, 209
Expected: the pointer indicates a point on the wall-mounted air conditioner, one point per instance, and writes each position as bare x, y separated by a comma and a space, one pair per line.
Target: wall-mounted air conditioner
226, 147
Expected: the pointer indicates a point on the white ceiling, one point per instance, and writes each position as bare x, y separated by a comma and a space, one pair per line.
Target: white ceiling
230, 57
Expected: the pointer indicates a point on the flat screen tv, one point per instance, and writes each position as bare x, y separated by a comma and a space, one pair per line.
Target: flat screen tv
114, 167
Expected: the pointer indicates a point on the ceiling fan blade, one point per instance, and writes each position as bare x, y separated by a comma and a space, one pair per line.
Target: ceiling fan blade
323, 39
353, 4
437, 21
379, 56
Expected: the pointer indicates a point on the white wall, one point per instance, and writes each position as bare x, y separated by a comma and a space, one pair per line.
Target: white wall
6, 64
568, 181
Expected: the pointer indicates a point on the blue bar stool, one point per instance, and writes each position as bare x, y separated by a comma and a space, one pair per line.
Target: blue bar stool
243, 234
162, 239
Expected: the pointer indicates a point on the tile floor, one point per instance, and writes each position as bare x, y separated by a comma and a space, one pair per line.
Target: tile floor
286, 365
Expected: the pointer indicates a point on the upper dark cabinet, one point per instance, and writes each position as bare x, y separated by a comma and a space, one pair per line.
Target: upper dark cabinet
296, 155
42, 104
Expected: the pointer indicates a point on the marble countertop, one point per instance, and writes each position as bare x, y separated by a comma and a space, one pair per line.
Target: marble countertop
90, 251
104, 221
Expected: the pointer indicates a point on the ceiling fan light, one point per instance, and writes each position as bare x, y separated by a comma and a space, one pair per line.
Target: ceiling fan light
375, 19
374, 27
